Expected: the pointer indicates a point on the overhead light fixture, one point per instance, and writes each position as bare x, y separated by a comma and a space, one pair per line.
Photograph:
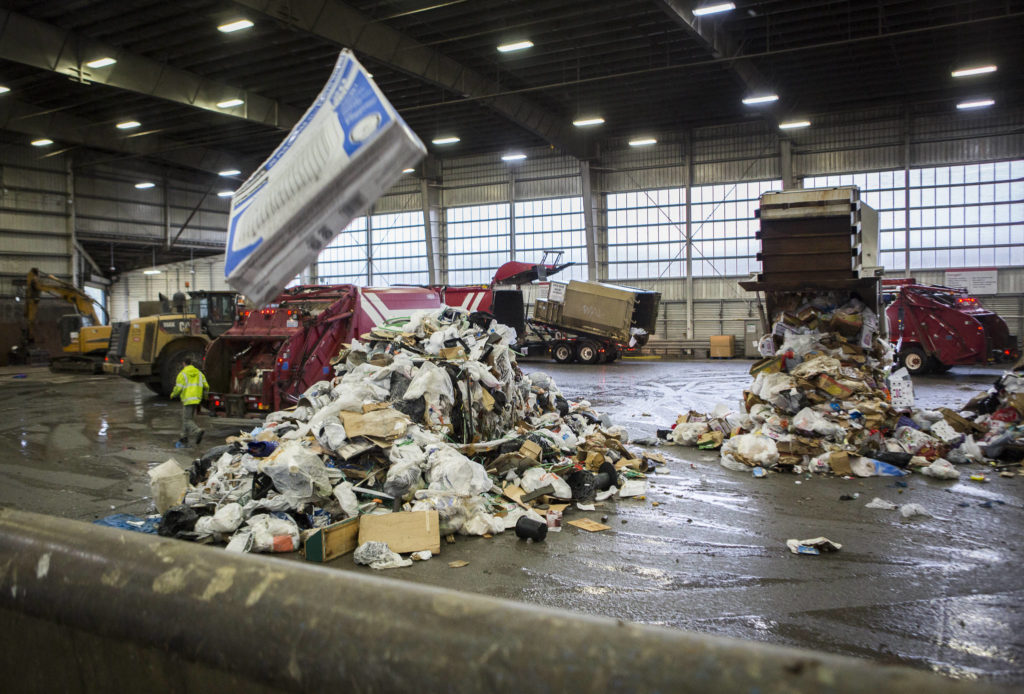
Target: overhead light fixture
642, 142
970, 71
763, 99
515, 46
234, 26
144, 185
42, 142
790, 124
584, 122
713, 9
4, 90
225, 193
450, 140
154, 271
977, 103
514, 156
128, 125
100, 62
230, 103
229, 172
408, 170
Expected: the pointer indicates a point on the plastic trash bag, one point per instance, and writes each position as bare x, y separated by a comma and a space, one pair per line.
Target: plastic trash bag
941, 469
432, 382
225, 521
404, 477
449, 470
273, 534
813, 422
377, 555
751, 449
298, 474
347, 498
126, 521
868, 467
687, 433
168, 483
912, 510
537, 477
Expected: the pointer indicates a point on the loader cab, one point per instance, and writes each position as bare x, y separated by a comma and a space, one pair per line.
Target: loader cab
215, 310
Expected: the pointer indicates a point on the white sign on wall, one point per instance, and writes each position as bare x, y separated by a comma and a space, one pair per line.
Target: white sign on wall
556, 292
975, 281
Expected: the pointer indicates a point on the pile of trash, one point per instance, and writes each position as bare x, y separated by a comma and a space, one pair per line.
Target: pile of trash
426, 430
825, 399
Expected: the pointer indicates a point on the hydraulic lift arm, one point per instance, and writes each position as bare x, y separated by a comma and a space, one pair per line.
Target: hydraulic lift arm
36, 285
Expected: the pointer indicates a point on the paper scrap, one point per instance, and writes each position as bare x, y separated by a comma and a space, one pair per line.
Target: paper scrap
589, 525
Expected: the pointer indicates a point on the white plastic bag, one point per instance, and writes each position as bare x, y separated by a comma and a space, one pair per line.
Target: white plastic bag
813, 422
912, 510
751, 449
687, 433
450, 470
379, 556
298, 473
168, 483
226, 520
347, 499
537, 477
880, 504
941, 469
272, 534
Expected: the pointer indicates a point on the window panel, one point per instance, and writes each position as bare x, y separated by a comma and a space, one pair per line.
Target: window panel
649, 226
478, 242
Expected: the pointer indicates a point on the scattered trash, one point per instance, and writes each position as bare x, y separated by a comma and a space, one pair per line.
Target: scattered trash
816, 545
457, 564
377, 555
881, 504
941, 469
126, 521
912, 510
530, 529
849, 497
589, 525
759, 472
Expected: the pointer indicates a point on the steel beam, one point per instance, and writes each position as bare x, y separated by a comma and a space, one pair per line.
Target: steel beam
96, 609
31, 42
347, 26
20, 117
716, 41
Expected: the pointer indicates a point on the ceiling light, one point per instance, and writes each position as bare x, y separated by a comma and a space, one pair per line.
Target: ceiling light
230, 103
225, 193
642, 142
764, 99
154, 271
978, 103
408, 170
584, 122
128, 125
515, 156
713, 9
450, 140
42, 142
790, 124
144, 185
236, 25
969, 71
516, 46
229, 172
4, 90
100, 62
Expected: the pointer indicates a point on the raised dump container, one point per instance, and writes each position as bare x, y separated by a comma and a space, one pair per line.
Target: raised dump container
608, 310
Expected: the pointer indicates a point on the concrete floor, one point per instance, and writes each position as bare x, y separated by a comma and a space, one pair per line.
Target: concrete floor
943, 594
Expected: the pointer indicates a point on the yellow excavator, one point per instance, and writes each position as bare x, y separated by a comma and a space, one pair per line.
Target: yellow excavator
83, 341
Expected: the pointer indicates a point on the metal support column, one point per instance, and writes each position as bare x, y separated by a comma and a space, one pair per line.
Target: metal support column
369, 247
69, 174
511, 214
906, 193
789, 181
689, 235
167, 212
589, 221
430, 196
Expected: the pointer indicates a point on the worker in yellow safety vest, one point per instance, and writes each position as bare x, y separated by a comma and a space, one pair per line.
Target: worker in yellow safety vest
192, 387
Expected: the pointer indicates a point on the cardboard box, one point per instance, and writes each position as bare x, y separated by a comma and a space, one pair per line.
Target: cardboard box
455, 353
332, 541
529, 449
723, 345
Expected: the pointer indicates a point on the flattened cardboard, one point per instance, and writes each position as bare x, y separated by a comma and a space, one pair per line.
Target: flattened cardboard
408, 531
589, 525
384, 424
530, 449
839, 461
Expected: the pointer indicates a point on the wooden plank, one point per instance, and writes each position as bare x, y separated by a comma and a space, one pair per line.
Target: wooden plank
408, 531
333, 541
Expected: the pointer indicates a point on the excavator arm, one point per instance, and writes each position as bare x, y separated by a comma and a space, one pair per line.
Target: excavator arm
37, 284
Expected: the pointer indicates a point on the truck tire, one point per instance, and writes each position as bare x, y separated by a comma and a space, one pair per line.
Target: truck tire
937, 366
562, 352
915, 360
587, 352
172, 365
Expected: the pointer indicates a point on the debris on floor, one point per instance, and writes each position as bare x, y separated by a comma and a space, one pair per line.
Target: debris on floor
816, 545
825, 399
425, 429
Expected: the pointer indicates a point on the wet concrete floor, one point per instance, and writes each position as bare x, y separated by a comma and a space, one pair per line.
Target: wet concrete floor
942, 593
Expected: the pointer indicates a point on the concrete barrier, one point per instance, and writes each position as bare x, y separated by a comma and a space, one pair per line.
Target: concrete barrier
92, 609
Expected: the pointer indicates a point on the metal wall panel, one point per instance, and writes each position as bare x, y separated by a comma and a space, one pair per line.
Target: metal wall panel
135, 286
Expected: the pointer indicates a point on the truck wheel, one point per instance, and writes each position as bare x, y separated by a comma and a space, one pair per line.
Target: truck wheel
562, 352
587, 352
173, 365
915, 360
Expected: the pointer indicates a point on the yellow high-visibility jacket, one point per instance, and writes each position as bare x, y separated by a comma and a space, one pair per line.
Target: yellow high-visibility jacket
191, 386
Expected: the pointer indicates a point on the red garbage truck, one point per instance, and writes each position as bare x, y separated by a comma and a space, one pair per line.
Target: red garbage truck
933, 328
